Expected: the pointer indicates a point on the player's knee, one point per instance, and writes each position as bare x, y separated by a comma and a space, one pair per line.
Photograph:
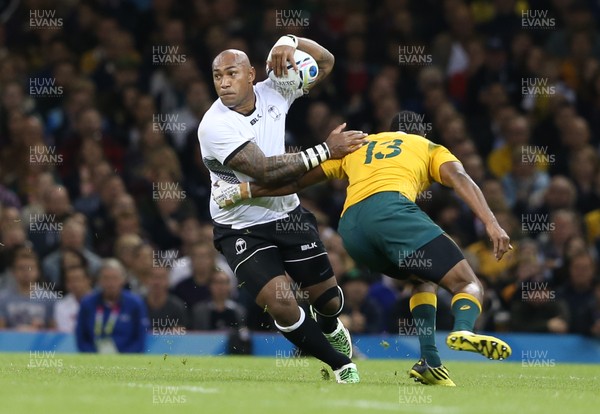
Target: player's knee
330, 302
285, 311
462, 279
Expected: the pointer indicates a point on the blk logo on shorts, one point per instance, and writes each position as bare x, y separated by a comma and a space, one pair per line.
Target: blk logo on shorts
309, 246
240, 246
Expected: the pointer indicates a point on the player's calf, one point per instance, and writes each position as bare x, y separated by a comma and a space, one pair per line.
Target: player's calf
300, 330
326, 309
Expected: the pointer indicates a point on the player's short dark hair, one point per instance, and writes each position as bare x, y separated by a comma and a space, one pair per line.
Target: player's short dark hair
409, 122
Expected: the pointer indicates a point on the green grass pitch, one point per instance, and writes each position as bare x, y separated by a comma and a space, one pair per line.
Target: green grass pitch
90, 384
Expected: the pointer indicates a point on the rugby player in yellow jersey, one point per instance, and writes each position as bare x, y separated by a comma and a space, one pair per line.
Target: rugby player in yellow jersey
383, 228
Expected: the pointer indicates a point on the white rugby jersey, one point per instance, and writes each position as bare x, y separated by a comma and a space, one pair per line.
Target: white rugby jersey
223, 131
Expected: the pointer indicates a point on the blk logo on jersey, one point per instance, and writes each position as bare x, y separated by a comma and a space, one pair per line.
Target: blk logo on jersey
240, 246
255, 120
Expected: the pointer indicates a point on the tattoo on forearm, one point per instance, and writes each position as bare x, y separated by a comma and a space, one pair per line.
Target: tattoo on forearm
278, 169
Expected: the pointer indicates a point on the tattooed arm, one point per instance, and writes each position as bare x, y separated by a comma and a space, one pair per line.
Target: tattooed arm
278, 169
283, 168
324, 58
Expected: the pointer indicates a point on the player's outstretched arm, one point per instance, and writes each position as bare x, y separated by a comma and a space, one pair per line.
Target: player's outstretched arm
228, 194
454, 175
282, 54
280, 169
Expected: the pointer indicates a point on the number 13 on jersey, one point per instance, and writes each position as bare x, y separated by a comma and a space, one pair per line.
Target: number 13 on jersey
393, 148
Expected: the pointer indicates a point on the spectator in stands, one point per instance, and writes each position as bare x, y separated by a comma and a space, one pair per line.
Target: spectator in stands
583, 167
574, 136
26, 305
142, 268
574, 246
197, 101
57, 207
71, 258
360, 313
535, 307
524, 183
61, 121
112, 319
219, 312
561, 226
89, 128
110, 188
78, 284
561, 193
517, 136
578, 293
125, 251
496, 271
72, 236
594, 312
35, 197
188, 230
195, 288
12, 235
163, 307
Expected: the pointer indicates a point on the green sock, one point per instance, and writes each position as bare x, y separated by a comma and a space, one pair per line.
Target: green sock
423, 307
465, 308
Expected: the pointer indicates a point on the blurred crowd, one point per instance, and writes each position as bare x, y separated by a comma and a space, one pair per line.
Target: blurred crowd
103, 188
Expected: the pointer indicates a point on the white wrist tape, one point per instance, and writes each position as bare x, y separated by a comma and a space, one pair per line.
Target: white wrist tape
315, 156
287, 40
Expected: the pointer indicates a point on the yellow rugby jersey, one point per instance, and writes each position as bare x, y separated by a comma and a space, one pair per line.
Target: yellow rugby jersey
391, 161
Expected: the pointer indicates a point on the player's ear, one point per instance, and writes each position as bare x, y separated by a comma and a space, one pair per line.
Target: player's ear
251, 74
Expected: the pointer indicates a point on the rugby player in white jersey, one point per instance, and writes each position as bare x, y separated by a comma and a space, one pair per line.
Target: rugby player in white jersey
242, 140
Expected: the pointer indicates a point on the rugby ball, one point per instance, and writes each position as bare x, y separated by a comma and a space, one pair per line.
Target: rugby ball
308, 70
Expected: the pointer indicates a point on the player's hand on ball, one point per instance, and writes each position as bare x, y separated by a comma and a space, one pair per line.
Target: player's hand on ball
343, 143
499, 238
225, 194
279, 58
